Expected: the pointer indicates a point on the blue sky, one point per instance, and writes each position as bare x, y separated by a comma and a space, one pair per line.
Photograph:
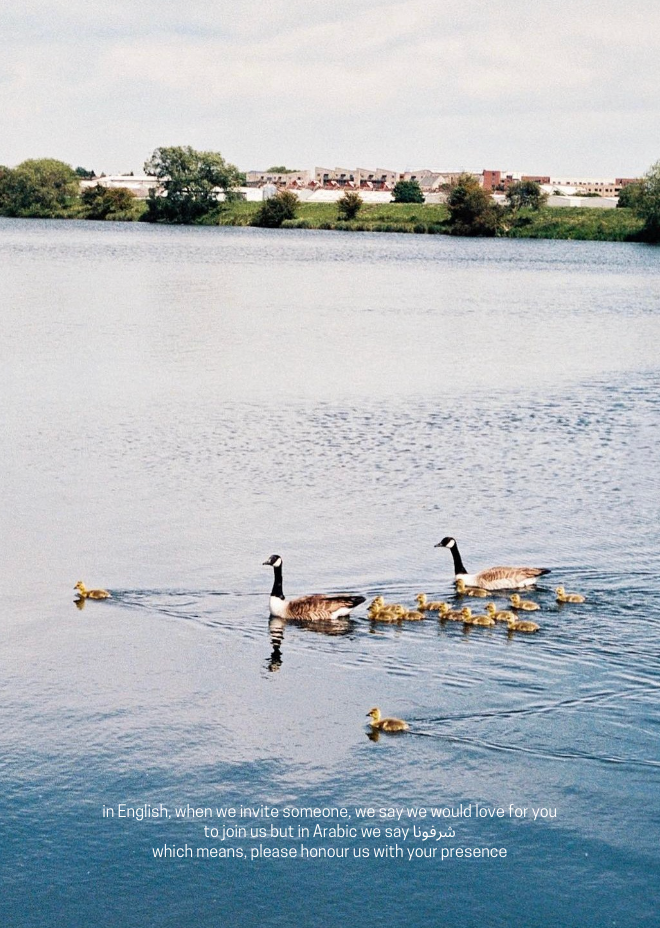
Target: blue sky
562, 87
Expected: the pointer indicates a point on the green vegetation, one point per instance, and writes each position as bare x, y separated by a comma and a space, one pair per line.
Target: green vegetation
108, 203
568, 222
525, 193
281, 169
85, 174
629, 196
41, 188
647, 205
349, 206
190, 180
472, 210
275, 210
407, 191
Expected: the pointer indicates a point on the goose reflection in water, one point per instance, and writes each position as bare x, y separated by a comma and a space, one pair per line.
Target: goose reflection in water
276, 626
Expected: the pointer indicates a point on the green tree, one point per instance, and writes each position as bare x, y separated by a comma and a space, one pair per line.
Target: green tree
525, 193
190, 181
629, 196
273, 211
648, 204
103, 202
84, 174
42, 188
471, 209
349, 205
281, 169
407, 191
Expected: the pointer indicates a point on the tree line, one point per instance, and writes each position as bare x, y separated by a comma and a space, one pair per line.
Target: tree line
187, 183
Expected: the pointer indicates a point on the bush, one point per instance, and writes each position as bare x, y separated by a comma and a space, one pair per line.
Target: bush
349, 205
471, 209
629, 196
407, 191
102, 202
275, 210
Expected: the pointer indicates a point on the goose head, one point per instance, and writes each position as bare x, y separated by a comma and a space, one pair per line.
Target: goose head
491, 608
560, 591
273, 561
447, 542
460, 586
466, 612
374, 714
80, 586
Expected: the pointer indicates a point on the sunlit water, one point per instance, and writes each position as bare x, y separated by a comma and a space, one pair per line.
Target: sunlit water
177, 405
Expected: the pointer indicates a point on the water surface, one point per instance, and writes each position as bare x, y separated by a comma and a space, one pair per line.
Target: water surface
178, 404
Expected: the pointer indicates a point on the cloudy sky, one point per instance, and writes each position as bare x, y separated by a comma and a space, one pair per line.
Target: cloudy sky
556, 86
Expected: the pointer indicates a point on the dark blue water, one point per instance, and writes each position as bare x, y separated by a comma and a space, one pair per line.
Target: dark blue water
178, 404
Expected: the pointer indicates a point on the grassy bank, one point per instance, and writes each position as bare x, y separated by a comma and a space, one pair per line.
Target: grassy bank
613, 225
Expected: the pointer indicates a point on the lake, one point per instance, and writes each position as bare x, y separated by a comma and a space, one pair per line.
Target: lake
181, 403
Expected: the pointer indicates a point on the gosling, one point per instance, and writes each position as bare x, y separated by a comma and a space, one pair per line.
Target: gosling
502, 615
522, 625
412, 616
464, 590
376, 606
388, 724
424, 605
564, 597
84, 593
525, 604
469, 619
445, 614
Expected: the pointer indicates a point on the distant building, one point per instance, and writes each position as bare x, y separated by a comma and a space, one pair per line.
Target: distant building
356, 178
291, 179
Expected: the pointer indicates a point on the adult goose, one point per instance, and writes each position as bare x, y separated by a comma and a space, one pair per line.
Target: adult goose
314, 608
495, 578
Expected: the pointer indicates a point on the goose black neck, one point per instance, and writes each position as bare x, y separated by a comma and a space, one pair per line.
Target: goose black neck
459, 566
277, 582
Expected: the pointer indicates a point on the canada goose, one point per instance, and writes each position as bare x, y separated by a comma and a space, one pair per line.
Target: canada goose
495, 578
525, 604
389, 724
84, 593
502, 616
564, 597
462, 590
522, 625
469, 619
313, 608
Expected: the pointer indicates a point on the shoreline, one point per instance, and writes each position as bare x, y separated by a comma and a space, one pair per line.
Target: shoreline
549, 222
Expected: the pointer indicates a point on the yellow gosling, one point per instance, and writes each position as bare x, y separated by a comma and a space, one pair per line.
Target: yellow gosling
387, 724
525, 604
522, 625
564, 597
502, 615
464, 590
422, 602
445, 614
469, 619
84, 593
376, 606
412, 616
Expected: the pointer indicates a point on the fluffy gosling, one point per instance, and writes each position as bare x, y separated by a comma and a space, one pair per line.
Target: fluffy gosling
388, 724
525, 604
84, 593
503, 615
522, 625
469, 619
564, 597
464, 590
445, 614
